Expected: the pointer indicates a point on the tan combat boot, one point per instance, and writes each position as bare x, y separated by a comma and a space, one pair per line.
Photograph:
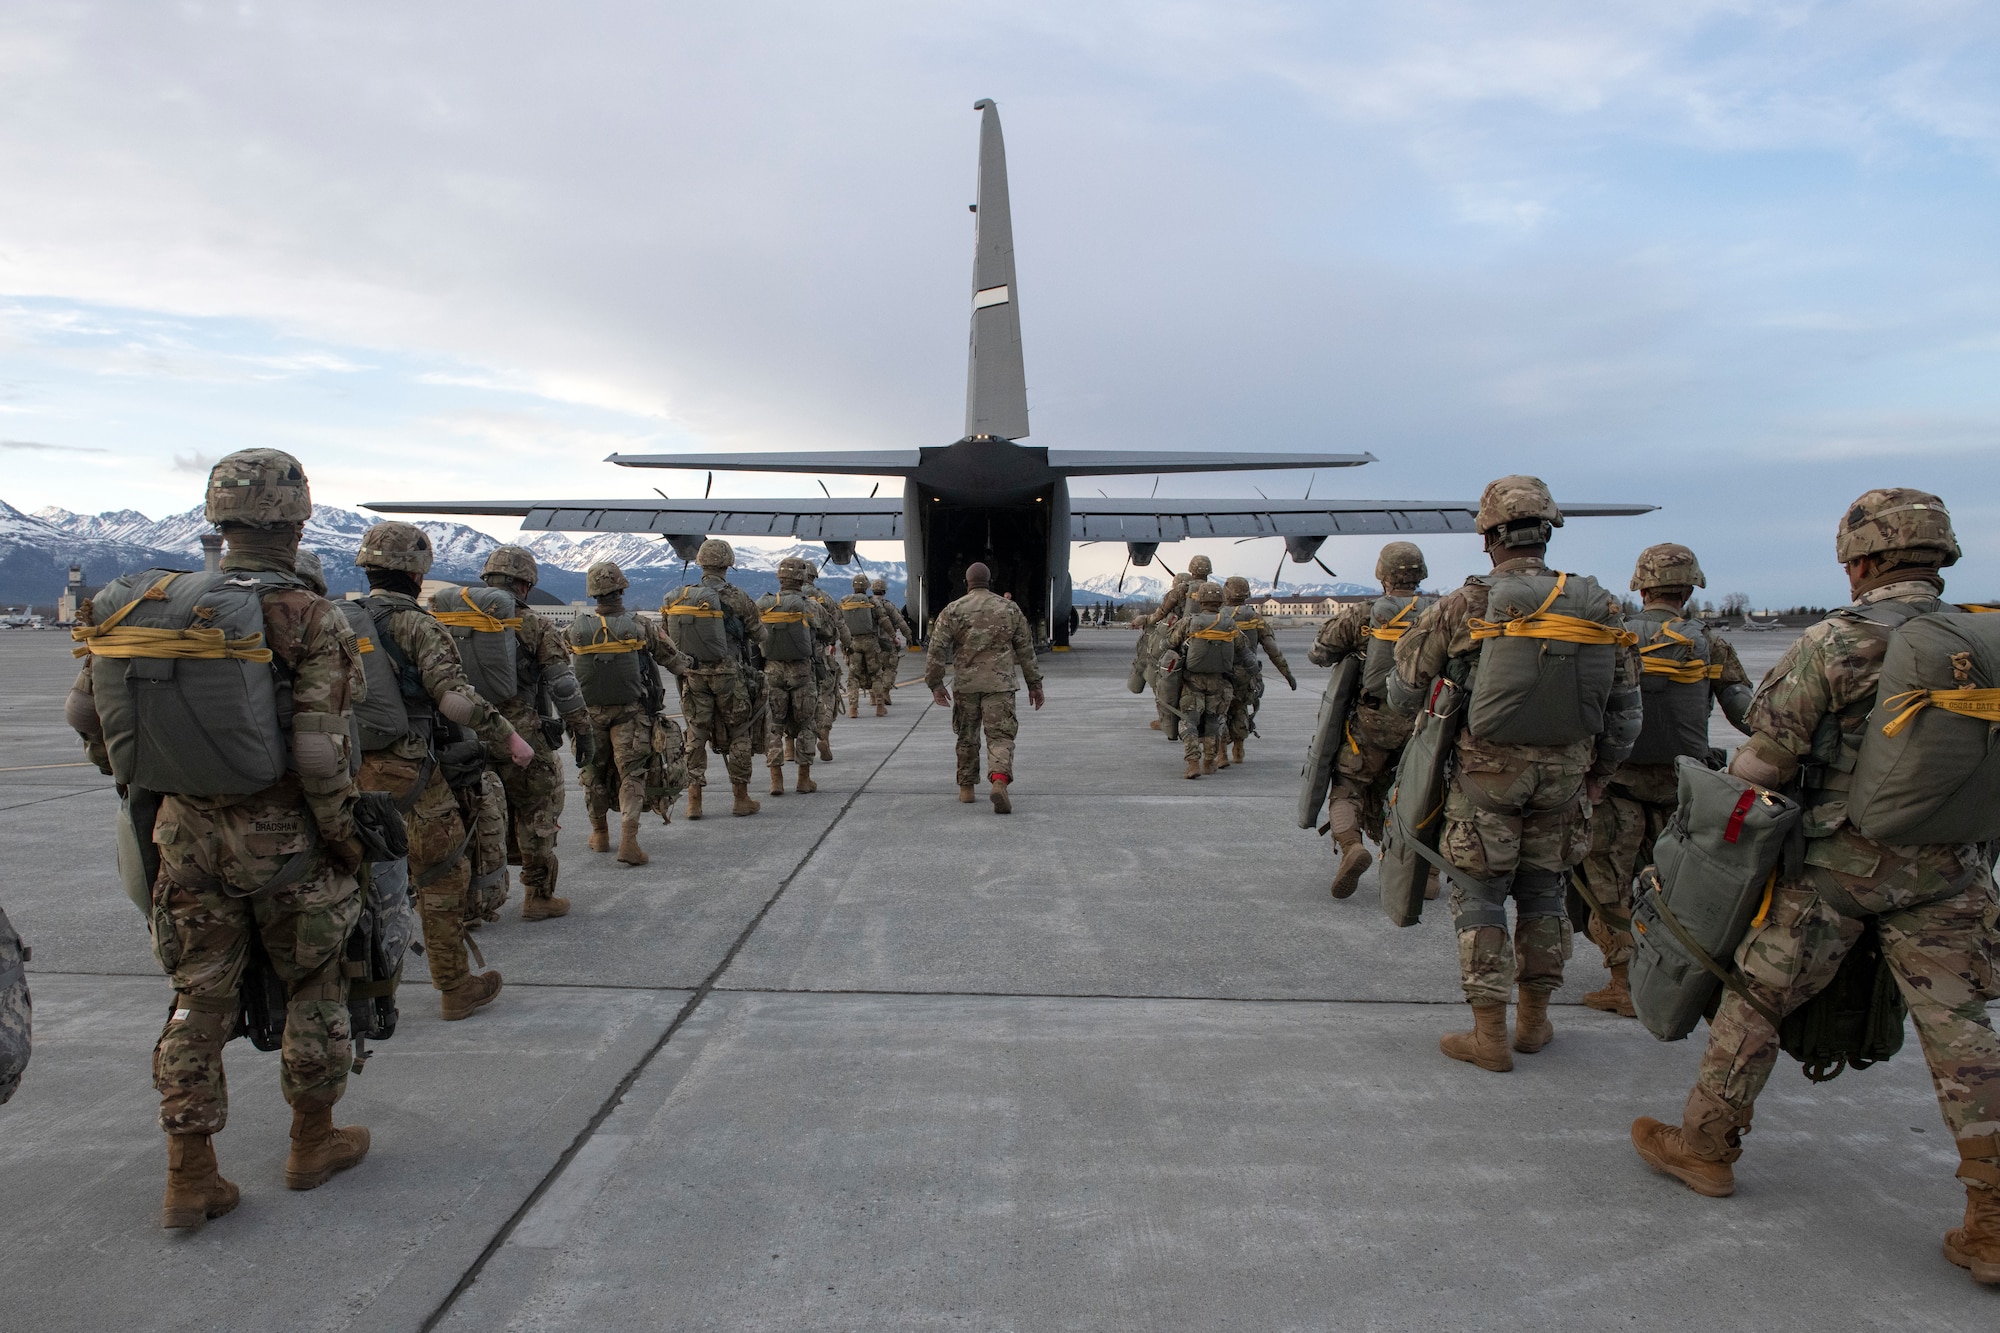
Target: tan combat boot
540, 901
1486, 1044
966, 795
319, 1150
1221, 755
1237, 746
1154, 724
825, 750
790, 756
997, 793
1976, 1245
1193, 769
694, 802
806, 782
744, 805
777, 779
881, 710
629, 851
854, 709
1616, 995
1532, 1029
600, 834
1354, 859
1698, 1151
196, 1190
468, 995
1207, 755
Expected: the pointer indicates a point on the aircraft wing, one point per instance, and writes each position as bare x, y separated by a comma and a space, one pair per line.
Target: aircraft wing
1159, 520
833, 462
1135, 462
840, 520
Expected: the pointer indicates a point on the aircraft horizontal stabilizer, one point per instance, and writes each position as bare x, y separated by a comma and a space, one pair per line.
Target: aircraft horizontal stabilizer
1135, 462
1154, 520
832, 462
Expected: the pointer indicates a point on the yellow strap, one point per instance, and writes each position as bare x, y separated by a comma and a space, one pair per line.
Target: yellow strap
1348, 732
1975, 608
364, 644
1539, 624
855, 603
1983, 704
1764, 911
695, 612
156, 593
474, 618
781, 617
127, 641
1690, 673
1214, 634
602, 642
1396, 626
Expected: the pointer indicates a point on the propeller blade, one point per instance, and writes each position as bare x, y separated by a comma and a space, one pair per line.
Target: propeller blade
829, 494
1309, 485
1260, 491
1279, 570
872, 489
1153, 492
711, 486
1322, 564
1121, 574
662, 494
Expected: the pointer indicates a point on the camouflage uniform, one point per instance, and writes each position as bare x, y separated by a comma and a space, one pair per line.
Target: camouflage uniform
1365, 767
791, 689
1244, 681
1205, 696
624, 737
984, 638
830, 665
869, 654
883, 688
723, 701
16, 1017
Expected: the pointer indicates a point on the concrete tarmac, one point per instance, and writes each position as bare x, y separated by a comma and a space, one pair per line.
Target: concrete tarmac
875, 1059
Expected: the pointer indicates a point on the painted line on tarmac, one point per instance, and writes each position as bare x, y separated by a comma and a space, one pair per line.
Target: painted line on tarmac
63, 796
31, 768
618, 1094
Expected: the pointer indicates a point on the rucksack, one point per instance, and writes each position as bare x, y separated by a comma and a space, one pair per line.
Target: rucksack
16, 1011
1855, 1022
1674, 685
860, 615
397, 705
1928, 771
1210, 647
610, 663
1545, 666
191, 700
1388, 620
376, 950
695, 623
788, 635
485, 625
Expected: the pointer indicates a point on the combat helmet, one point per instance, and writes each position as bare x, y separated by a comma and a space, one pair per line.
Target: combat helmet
307, 566
1668, 565
512, 562
604, 579
1400, 563
400, 546
792, 570
861, 583
259, 488
1912, 527
1521, 508
715, 553
1208, 594
1200, 566
879, 585
1236, 588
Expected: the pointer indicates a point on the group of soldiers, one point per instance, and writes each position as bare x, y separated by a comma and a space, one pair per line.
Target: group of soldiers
1564, 777
1198, 654
386, 751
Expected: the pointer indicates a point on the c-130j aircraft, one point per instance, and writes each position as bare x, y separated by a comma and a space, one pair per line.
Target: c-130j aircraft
989, 497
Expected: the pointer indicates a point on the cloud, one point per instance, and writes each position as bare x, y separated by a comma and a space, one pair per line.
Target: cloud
38, 447
196, 463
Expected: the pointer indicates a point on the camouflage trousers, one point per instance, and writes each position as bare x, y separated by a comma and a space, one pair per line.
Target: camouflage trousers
864, 670
994, 714
886, 666
1364, 769
1944, 955
534, 808
721, 712
829, 699
201, 936
16, 1016
624, 740
1514, 818
1623, 828
1204, 710
440, 860
1244, 696
792, 695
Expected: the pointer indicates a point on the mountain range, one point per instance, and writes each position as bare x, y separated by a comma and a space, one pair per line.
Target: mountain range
36, 551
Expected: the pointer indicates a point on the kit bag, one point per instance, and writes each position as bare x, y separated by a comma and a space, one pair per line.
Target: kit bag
191, 700
1855, 1022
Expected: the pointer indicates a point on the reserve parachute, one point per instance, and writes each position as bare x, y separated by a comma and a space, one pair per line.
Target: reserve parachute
397, 704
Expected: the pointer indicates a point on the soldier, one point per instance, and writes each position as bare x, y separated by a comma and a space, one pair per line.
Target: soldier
1246, 684
1180, 598
794, 637
309, 568
1933, 905
1365, 767
1538, 745
1156, 628
985, 639
1684, 669
884, 691
16, 1010
535, 793
279, 862
715, 623
1205, 642
829, 666
872, 627
630, 734
438, 781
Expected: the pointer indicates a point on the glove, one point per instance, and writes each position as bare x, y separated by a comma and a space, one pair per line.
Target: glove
1291, 680
583, 747
520, 751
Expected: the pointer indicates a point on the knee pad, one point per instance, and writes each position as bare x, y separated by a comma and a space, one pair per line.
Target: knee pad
1541, 892
1488, 907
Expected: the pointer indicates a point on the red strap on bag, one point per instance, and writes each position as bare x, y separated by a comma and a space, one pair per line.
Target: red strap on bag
1734, 829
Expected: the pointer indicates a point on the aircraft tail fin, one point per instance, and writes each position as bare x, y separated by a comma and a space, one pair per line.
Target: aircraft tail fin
996, 384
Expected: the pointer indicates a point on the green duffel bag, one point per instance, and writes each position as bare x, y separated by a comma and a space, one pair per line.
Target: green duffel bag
1715, 866
1855, 1022
1929, 767
1416, 805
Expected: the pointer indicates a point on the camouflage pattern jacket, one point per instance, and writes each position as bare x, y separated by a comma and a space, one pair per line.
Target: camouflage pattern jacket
887, 615
548, 648
1814, 702
1259, 635
830, 614
429, 647
984, 637
1344, 634
1443, 634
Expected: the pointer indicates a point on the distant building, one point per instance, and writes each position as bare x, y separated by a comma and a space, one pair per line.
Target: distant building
74, 595
1302, 608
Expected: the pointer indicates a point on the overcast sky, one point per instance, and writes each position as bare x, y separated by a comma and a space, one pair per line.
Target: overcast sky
1739, 260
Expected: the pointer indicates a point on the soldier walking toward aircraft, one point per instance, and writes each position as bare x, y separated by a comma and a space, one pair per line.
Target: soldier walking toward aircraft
829, 665
794, 638
1372, 737
891, 661
1204, 651
1246, 683
985, 640
1544, 730
1685, 668
635, 758
871, 625
722, 693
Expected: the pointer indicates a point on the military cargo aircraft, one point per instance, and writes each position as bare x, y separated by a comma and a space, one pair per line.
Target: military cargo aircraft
988, 496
